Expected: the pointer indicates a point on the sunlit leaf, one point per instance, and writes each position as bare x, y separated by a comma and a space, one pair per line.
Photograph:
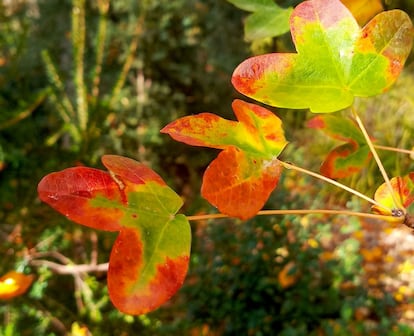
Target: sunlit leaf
239, 181
336, 60
345, 159
14, 284
403, 190
267, 18
149, 259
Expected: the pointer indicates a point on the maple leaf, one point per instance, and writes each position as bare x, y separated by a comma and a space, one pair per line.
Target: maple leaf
239, 181
149, 259
336, 60
348, 158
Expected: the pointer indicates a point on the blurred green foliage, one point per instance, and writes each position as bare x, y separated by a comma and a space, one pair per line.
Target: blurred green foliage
69, 94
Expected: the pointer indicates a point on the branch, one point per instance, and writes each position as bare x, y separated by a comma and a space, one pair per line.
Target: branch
331, 181
69, 269
390, 219
397, 204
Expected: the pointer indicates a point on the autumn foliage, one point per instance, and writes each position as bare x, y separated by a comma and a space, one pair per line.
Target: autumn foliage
335, 61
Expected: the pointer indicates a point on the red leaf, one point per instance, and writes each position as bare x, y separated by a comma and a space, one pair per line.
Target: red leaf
70, 192
126, 262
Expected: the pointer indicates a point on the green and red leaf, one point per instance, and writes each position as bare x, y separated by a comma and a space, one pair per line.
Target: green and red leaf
348, 158
72, 191
239, 181
402, 194
336, 60
149, 260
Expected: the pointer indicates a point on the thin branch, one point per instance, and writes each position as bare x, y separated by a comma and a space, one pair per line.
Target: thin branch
333, 182
394, 149
51, 254
208, 216
384, 174
391, 219
69, 269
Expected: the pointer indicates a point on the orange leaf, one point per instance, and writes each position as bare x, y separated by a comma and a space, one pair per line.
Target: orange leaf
289, 275
239, 185
14, 284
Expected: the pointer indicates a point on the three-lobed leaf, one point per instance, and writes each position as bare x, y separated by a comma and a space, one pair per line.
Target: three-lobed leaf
348, 158
149, 259
239, 181
336, 60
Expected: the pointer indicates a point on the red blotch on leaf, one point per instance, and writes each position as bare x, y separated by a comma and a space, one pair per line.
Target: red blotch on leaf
70, 192
126, 268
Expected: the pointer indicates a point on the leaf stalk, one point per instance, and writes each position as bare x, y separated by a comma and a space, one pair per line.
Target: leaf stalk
397, 204
333, 182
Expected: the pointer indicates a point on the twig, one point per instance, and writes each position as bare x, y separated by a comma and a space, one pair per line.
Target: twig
69, 269
394, 149
391, 219
397, 204
333, 182
51, 254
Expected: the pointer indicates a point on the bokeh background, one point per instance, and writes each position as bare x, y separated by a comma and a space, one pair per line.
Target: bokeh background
71, 92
